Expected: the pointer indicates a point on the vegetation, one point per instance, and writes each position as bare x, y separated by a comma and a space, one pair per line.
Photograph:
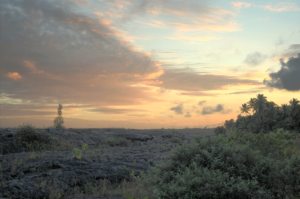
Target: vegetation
59, 120
262, 163
255, 156
261, 115
78, 152
28, 139
231, 166
116, 141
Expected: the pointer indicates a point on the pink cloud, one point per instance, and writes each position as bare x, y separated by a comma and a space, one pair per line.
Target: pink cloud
14, 75
241, 4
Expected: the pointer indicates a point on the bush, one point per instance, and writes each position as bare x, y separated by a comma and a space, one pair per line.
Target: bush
79, 152
28, 139
220, 130
231, 166
116, 141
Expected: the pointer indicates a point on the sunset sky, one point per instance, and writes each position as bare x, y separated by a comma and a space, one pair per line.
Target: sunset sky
144, 63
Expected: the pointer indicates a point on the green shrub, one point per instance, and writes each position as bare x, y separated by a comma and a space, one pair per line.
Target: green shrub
28, 139
79, 152
231, 166
116, 141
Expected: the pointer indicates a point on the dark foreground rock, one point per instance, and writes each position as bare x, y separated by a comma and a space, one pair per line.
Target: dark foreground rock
111, 155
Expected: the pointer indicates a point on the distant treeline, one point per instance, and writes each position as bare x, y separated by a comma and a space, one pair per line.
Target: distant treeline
259, 115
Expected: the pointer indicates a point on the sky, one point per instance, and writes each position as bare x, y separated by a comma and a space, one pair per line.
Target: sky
144, 63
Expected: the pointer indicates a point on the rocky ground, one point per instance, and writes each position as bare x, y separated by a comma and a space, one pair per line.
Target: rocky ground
79, 159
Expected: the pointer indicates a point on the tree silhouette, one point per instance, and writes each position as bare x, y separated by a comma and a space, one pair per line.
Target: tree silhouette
264, 116
59, 120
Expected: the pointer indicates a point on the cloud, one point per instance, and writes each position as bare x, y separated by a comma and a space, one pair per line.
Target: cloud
288, 76
182, 15
207, 110
241, 4
246, 92
9, 111
178, 109
9, 99
293, 50
190, 81
14, 75
193, 38
255, 58
282, 7
67, 55
275, 7
200, 103
197, 93
111, 110
187, 114
32, 67
295, 47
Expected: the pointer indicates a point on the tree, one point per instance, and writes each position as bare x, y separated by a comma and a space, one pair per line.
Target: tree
59, 120
245, 108
294, 114
260, 115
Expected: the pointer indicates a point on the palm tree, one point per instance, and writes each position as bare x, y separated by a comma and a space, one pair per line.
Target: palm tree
261, 102
294, 103
245, 108
258, 106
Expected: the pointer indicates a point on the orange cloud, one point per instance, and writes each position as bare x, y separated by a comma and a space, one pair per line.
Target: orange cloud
14, 75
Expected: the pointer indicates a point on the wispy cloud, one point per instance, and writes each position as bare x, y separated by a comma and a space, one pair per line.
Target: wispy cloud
180, 15
112, 110
255, 58
241, 4
282, 7
277, 7
193, 38
189, 80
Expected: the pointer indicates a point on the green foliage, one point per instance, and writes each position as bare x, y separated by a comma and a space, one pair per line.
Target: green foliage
78, 152
232, 166
220, 130
28, 139
260, 115
84, 147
